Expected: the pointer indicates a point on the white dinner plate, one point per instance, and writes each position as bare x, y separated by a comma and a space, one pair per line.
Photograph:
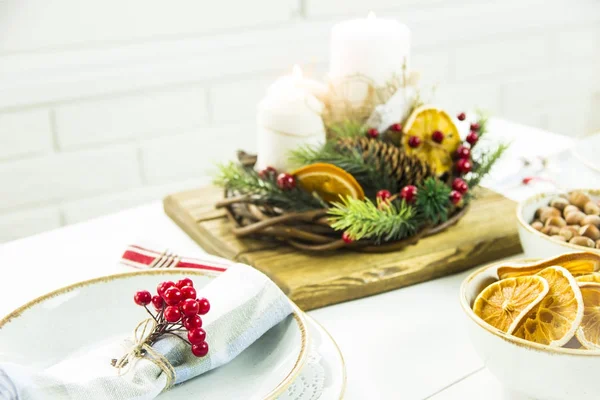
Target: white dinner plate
79, 317
324, 374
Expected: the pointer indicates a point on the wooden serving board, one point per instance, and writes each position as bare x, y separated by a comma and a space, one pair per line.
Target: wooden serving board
487, 232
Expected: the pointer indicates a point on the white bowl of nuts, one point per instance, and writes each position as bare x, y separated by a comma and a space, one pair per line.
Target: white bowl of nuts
551, 224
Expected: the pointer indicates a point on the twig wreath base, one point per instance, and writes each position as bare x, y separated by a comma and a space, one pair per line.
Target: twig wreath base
307, 230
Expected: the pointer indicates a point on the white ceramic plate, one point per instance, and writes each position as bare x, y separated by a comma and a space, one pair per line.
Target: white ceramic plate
80, 316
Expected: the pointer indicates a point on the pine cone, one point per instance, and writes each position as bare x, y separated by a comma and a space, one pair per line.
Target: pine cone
390, 159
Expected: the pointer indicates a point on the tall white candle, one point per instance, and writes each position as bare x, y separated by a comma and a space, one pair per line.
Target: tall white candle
288, 117
367, 50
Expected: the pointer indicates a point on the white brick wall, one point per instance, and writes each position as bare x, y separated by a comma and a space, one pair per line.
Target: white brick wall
109, 105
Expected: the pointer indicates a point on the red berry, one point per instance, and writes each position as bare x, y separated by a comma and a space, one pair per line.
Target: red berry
463, 152
192, 322
396, 127
158, 302
437, 136
173, 296
286, 181
204, 306
460, 185
383, 195
463, 166
197, 336
142, 298
408, 193
455, 197
472, 138
414, 141
267, 173
190, 307
188, 292
475, 126
160, 289
184, 282
172, 314
346, 238
461, 116
200, 350
373, 133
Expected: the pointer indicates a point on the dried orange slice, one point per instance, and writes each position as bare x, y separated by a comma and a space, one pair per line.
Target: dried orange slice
328, 181
589, 330
422, 123
576, 263
556, 318
594, 277
504, 303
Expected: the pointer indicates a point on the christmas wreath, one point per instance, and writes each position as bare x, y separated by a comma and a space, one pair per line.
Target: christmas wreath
363, 188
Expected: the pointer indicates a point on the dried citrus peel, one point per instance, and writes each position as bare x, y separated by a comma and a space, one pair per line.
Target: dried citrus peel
503, 304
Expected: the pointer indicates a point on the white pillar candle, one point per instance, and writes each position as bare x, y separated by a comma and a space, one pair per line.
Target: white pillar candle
367, 51
288, 117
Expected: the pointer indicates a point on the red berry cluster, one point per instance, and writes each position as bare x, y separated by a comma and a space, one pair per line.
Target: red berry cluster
177, 310
284, 180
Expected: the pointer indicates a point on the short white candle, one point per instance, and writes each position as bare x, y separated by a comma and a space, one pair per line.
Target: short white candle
372, 49
288, 117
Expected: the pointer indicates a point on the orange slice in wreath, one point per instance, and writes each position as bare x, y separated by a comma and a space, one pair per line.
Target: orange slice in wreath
330, 182
422, 123
589, 330
555, 319
503, 304
576, 263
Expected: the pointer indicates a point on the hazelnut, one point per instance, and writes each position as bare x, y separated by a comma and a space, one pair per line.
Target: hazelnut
556, 221
567, 233
579, 199
575, 218
569, 209
591, 220
547, 212
582, 241
598, 244
559, 203
591, 208
559, 238
550, 230
537, 225
590, 231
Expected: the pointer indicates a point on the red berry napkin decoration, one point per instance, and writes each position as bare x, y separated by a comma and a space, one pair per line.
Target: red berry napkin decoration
177, 312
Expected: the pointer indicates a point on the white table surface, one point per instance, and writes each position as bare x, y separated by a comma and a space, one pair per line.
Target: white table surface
409, 343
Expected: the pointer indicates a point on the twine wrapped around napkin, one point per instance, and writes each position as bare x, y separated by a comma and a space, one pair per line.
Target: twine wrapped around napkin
244, 305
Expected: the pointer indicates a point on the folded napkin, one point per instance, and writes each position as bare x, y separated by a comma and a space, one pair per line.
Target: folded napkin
244, 305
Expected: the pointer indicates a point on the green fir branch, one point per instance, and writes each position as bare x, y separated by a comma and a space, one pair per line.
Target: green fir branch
364, 169
347, 129
362, 219
432, 201
246, 181
483, 165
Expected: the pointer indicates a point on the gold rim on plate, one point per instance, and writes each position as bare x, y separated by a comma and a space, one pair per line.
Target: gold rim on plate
298, 315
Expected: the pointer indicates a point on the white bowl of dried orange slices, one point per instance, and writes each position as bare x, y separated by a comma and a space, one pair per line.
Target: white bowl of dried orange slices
536, 324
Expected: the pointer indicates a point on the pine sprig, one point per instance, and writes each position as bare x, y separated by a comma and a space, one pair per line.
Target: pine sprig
432, 200
347, 129
246, 181
482, 121
363, 169
362, 219
484, 164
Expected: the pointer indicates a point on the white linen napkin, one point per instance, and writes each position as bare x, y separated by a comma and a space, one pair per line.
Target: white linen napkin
244, 305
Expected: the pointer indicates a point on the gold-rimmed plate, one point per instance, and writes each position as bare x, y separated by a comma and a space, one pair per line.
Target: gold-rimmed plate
76, 318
